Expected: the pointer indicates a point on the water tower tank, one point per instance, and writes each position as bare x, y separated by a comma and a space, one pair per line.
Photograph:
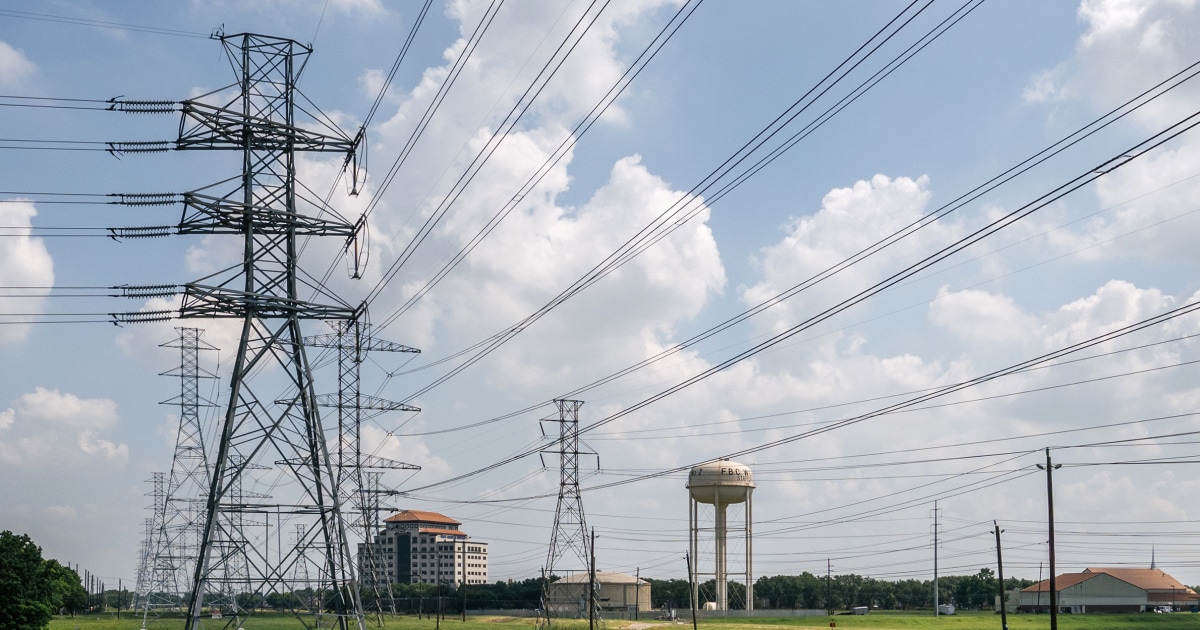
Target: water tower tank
724, 481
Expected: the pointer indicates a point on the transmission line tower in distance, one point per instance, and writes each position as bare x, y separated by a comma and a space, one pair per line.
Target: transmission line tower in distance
569, 549
173, 559
358, 472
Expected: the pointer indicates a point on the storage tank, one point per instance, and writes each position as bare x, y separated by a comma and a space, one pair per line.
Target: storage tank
720, 483
723, 481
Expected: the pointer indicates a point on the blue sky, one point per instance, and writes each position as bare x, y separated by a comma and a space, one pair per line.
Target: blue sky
81, 427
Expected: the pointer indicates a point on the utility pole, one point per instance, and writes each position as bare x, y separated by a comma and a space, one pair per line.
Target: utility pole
1000, 573
637, 592
592, 584
936, 609
829, 585
1049, 468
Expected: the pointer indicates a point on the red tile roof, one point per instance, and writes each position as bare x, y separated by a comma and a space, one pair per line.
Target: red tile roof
1145, 579
417, 516
1065, 580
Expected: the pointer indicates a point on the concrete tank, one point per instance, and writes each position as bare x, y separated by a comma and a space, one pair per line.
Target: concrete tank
723, 482
720, 484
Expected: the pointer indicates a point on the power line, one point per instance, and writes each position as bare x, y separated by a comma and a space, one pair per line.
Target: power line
61, 19
669, 219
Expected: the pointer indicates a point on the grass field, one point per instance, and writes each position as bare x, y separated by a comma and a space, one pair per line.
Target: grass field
875, 621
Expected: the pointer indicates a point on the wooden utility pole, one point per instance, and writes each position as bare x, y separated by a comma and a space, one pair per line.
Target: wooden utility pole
592, 584
1049, 468
1000, 573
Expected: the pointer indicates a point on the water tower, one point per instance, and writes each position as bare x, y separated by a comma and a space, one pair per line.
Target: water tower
720, 484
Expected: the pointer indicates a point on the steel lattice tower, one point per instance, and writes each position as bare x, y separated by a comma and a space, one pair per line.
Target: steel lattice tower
156, 582
569, 536
172, 556
271, 420
358, 472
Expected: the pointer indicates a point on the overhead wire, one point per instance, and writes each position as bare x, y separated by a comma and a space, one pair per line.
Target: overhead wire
61, 19
647, 233
578, 31
1112, 116
571, 139
1109, 166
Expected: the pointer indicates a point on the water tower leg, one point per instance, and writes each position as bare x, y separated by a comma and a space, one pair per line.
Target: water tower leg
722, 579
749, 550
693, 535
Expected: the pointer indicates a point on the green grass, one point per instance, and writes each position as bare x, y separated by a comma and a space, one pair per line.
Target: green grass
873, 621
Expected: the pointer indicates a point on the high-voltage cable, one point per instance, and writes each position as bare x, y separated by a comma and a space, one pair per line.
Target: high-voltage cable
669, 219
1104, 168
564, 147
1070, 140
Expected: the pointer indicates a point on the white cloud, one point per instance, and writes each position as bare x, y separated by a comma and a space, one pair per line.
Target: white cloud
849, 220
60, 513
24, 262
1115, 304
14, 66
1127, 46
981, 317
366, 7
48, 428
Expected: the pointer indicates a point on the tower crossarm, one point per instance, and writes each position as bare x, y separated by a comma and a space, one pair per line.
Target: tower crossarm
207, 214
209, 127
383, 463
338, 340
366, 402
208, 301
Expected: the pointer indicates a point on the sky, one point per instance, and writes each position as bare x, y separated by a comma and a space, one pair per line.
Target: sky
819, 391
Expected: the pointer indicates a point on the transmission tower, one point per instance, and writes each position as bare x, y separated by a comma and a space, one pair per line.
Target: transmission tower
272, 418
156, 581
172, 555
359, 473
569, 537
143, 570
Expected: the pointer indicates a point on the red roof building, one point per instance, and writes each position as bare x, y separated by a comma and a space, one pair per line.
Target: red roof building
425, 548
1110, 590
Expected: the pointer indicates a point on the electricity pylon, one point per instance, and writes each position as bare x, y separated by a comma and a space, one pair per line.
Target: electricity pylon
358, 472
172, 551
271, 421
569, 536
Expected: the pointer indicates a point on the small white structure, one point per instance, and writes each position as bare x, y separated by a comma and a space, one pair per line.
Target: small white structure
720, 483
614, 591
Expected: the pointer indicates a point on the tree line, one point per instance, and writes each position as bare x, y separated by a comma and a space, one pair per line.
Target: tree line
32, 589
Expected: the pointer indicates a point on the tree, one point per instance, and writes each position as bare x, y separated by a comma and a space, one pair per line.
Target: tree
26, 597
68, 592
